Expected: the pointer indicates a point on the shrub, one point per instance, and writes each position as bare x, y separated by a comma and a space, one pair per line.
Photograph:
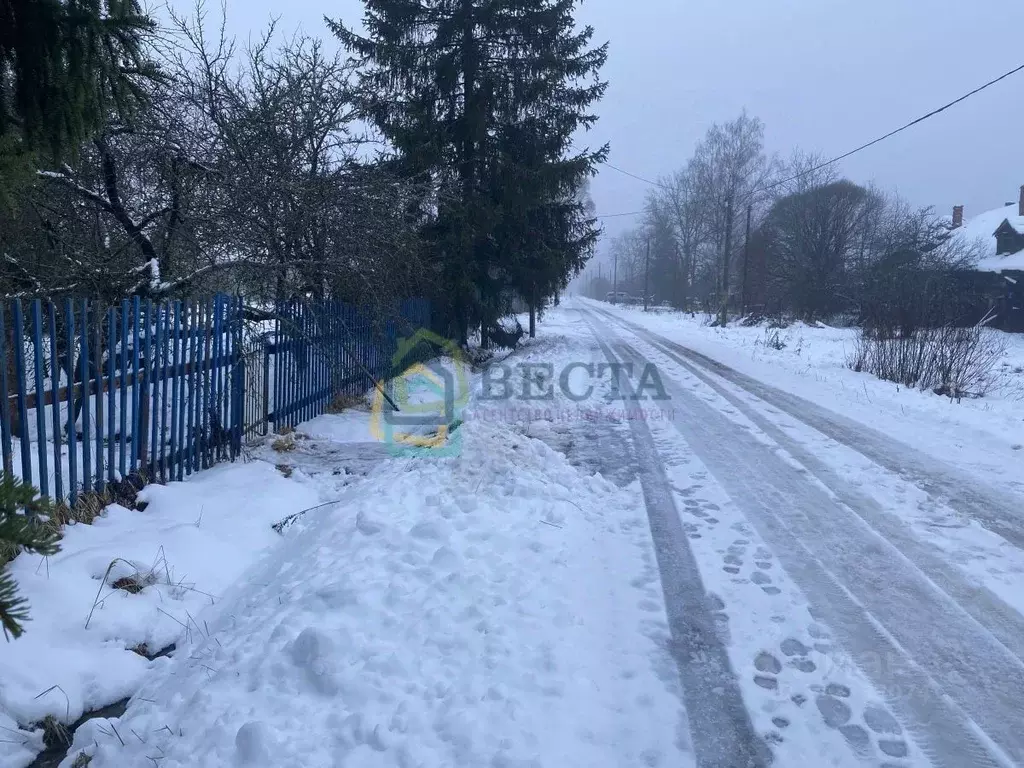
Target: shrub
949, 360
773, 339
23, 526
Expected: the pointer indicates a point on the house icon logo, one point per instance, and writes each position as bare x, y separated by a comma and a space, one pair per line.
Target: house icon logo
420, 408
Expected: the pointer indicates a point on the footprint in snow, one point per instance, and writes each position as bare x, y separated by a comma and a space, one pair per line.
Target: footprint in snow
766, 662
880, 721
793, 647
835, 712
857, 737
764, 581
797, 653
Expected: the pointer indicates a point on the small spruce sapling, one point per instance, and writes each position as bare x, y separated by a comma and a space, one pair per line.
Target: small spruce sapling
24, 526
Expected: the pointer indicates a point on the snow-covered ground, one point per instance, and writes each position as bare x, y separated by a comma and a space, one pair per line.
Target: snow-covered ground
781, 562
984, 434
498, 607
86, 643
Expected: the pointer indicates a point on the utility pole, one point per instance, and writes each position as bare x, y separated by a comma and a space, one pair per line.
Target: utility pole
647, 269
746, 259
615, 280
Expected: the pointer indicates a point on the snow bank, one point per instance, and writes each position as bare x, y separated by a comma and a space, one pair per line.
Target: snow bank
448, 612
192, 541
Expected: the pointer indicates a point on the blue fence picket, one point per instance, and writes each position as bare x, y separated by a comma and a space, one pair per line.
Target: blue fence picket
5, 417
175, 399
284, 359
231, 351
69, 322
288, 364
202, 401
18, 334
37, 355
83, 358
229, 378
156, 435
190, 439
239, 359
307, 363
58, 470
218, 346
133, 456
146, 394
165, 390
105, 386
122, 437
200, 452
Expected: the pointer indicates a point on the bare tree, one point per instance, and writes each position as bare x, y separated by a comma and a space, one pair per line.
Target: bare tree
811, 238
731, 173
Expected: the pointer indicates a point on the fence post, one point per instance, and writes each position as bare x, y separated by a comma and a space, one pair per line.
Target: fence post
83, 359
69, 319
105, 386
55, 403
18, 352
238, 390
144, 394
265, 426
6, 412
37, 354
123, 421
136, 386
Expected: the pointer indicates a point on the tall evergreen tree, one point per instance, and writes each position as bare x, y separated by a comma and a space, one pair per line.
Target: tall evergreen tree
547, 217
65, 67
483, 98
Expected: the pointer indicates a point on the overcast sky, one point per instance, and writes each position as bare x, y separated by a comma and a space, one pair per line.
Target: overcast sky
823, 75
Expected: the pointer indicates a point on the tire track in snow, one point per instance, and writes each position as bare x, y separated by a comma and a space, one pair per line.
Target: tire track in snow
1000, 512
1005, 623
955, 687
720, 727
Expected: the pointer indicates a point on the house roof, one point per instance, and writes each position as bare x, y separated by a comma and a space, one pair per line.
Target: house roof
982, 230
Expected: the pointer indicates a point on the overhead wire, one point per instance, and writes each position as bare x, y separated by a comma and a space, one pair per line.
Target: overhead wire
838, 158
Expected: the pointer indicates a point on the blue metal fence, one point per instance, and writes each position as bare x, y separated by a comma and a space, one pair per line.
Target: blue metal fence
324, 349
93, 394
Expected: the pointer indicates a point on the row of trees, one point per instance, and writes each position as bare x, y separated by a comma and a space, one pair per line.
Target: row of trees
738, 230
433, 156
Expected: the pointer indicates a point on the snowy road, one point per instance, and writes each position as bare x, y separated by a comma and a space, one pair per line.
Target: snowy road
938, 653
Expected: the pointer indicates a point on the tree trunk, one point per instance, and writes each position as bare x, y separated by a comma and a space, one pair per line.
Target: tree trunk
723, 314
746, 262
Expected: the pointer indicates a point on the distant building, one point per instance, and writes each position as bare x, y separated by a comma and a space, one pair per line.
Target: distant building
999, 233
999, 277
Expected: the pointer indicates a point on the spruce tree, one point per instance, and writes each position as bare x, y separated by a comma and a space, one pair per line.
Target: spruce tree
66, 66
23, 526
484, 98
548, 228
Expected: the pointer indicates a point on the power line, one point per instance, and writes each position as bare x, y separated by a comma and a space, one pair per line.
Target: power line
616, 215
852, 152
889, 135
634, 176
